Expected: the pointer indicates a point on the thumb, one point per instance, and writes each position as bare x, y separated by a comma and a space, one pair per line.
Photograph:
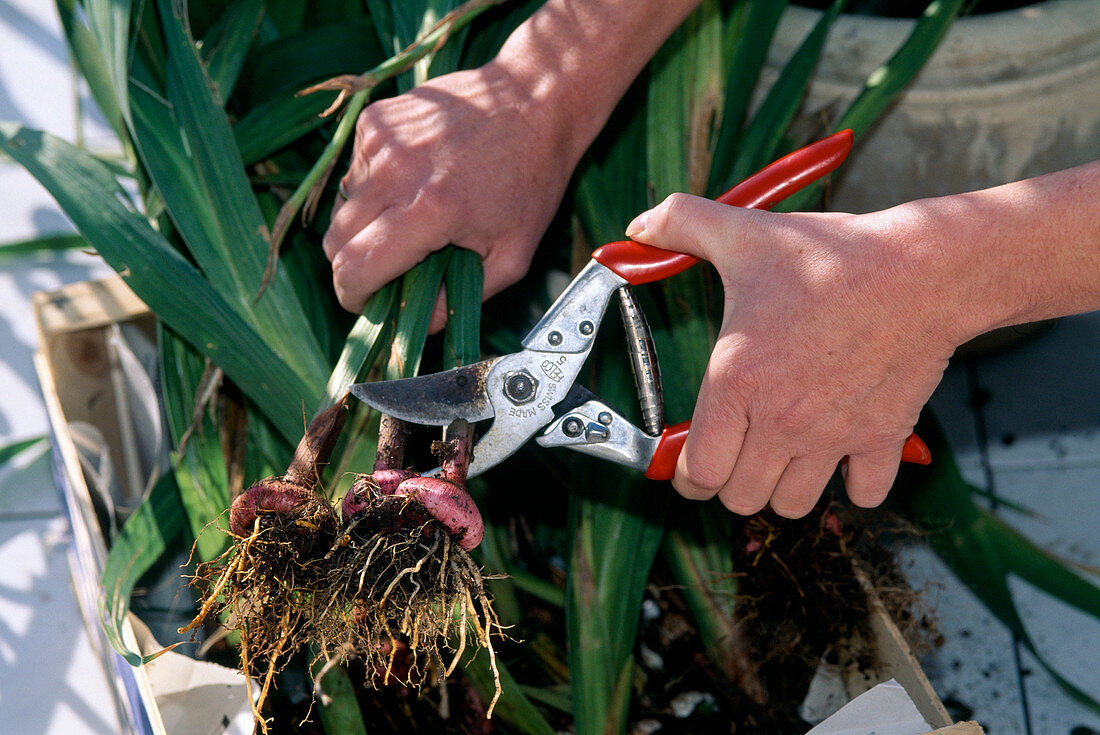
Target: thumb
692, 225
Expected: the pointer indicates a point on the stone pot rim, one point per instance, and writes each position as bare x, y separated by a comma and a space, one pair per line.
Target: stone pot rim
993, 50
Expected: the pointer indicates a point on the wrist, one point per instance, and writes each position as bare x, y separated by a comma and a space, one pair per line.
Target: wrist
1020, 252
573, 60
942, 288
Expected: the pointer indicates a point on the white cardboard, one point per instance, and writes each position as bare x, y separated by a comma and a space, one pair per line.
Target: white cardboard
885, 709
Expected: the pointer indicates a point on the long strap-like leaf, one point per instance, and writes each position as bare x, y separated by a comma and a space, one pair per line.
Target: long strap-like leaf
152, 529
160, 276
232, 215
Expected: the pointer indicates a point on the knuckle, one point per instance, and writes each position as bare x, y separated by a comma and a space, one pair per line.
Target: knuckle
331, 246
345, 281
368, 122
867, 497
437, 202
704, 475
670, 213
737, 502
430, 197
736, 387
796, 419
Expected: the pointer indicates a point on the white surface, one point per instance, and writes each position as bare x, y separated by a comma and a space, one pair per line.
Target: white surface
51, 682
1039, 406
885, 709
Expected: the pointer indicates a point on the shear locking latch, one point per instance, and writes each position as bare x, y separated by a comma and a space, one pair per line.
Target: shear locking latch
596, 429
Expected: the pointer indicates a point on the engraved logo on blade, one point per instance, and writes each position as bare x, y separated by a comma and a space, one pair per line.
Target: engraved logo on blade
552, 369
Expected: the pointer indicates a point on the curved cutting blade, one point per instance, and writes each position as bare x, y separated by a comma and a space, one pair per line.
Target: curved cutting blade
432, 400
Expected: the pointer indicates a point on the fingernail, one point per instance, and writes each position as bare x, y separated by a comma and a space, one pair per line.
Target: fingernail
637, 225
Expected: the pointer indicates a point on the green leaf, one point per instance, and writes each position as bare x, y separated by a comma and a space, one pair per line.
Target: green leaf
364, 343
982, 550
419, 293
278, 122
463, 282
93, 67
684, 99
698, 551
611, 182
447, 58
513, 707
168, 164
887, 81
200, 470
486, 38
290, 63
748, 34
760, 142
288, 15
618, 530
10, 452
44, 244
226, 44
159, 275
109, 23
232, 210
340, 712
559, 697
617, 519
153, 529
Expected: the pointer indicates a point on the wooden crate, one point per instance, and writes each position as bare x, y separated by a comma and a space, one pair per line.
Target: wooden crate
80, 384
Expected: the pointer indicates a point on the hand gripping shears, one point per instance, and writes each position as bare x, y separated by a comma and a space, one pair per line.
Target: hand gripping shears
532, 392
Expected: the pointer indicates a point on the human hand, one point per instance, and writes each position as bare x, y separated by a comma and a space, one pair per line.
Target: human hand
830, 345
471, 158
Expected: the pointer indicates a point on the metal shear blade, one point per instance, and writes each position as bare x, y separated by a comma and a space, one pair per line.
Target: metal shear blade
433, 400
520, 390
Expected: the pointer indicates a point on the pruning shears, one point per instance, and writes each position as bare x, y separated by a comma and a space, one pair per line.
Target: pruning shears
532, 393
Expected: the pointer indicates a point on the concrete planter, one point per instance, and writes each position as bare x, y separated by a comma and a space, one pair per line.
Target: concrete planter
1006, 96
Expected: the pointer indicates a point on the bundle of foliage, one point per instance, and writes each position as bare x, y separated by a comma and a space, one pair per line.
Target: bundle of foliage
215, 218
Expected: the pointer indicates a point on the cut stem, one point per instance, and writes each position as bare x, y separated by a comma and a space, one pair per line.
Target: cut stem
393, 434
458, 441
317, 444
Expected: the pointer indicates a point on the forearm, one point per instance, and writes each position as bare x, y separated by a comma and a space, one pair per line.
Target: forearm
577, 57
1020, 252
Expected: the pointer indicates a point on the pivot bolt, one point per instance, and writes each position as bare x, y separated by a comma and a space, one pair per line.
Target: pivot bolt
572, 427
520, 387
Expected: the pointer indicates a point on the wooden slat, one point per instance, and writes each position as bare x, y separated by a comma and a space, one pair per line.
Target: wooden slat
896, 659
86, 305
960, 728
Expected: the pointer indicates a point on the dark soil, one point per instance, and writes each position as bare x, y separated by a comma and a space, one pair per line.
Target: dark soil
799, 600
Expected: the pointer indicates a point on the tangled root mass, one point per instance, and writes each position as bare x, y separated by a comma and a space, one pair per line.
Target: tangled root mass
391, 574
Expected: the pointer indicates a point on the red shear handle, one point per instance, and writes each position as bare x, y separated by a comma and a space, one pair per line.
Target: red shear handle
639, 263
663, 464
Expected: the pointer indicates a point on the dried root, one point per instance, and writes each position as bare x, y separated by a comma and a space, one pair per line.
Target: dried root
408, 580
390, 584
267, 583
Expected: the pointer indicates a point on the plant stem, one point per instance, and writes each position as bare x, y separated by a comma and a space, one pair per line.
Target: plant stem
458, 440
393, 433
317, 444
